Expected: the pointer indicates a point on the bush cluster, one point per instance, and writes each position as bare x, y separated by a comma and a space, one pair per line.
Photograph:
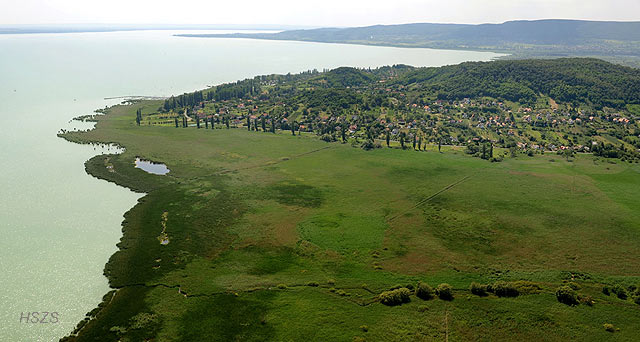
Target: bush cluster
504, 289
620, 291
573, 285
444, 291
424, 291
567, 295
478, 289
395, 297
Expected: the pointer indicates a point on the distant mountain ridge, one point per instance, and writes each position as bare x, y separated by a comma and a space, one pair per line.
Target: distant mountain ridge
551, 31
615, 41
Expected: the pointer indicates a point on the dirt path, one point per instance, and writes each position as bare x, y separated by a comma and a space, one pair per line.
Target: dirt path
427, 199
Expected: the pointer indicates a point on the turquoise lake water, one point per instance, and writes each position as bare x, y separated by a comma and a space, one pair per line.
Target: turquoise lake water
58, 226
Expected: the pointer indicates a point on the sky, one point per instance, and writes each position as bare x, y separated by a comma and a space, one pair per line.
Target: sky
309, 12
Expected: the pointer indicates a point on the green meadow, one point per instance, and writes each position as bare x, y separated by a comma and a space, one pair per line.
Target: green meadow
274, 237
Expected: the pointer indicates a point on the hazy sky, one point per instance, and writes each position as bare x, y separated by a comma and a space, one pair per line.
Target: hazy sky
309, 12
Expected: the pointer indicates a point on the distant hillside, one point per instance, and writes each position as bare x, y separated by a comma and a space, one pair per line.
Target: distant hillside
577, 80
615, 41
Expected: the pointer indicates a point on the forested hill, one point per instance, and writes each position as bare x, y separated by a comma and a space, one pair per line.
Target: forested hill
578, 80
617, 41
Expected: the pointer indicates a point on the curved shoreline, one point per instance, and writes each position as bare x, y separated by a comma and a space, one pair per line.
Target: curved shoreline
92, 170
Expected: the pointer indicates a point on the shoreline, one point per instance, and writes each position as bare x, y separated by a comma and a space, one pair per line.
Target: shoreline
75, 137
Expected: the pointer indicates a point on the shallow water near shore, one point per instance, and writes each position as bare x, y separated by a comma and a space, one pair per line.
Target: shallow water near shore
58, 225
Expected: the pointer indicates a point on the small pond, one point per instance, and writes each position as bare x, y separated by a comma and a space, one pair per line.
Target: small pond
151, 167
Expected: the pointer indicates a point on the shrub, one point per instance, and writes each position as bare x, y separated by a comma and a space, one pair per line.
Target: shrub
605, 290
144, 320
364, 328
620, 291
423, 308
395, 297
573, 285
527, 287
331, 282
341, 293
282, 286
609, 327
637, 300
567, 295
478, 289
312, 283
444, 291
633, 289
328, 138
504, 289
424, 291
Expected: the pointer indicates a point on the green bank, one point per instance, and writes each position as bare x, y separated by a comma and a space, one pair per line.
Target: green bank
274, 236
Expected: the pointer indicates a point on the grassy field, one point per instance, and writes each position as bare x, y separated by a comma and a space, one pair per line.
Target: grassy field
288, 238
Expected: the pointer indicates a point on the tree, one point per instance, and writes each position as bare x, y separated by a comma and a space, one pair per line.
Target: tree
414, 141
206, 123
343, 132
293, 128
226, 118
212, 122
484, 151
248, 123
198, 121
439, 145
402, 140
419, 142
255, 124
273, 126
513, 151
388, 137
176, 118
568, 153
138, 116
264, 126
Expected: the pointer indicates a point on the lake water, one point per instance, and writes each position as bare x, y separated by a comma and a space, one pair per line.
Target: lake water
58, 226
